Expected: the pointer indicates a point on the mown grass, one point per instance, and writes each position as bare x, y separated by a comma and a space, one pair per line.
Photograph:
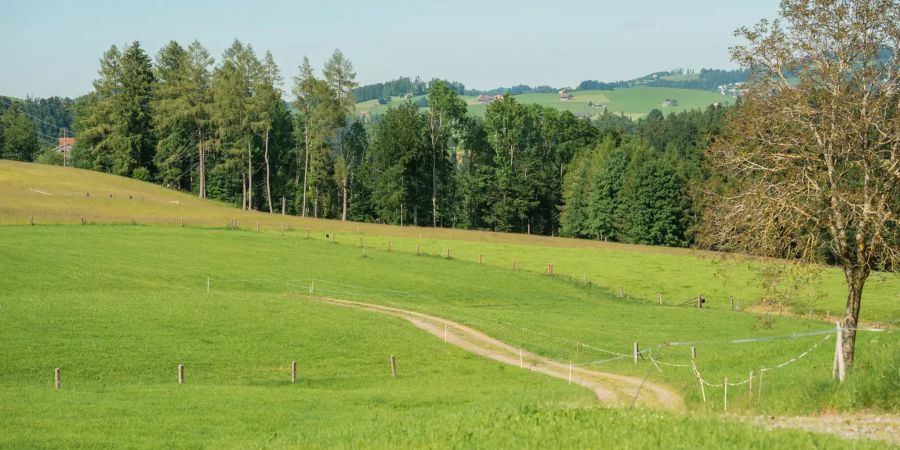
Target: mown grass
642, 272
118, 307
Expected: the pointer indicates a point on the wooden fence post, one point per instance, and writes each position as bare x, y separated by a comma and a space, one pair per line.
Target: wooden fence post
635, 352
585, 279
417, 250
521, 360
207, 285
838, 369
257, 227
659, 298
307, 233
699, 380
181, 222
700, 301
389, 246
480, 258
570, 372
725, 386
31, 220
393, 366
731, 300
514, 263
181, 374
293, 363
132, 220
360, 242
693, 353
282, 229
621, 292
57, 379
82, 220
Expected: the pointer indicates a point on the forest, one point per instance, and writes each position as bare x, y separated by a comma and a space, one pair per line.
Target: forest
223, 130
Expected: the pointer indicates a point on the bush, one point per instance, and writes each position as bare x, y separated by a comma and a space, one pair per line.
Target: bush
141, 173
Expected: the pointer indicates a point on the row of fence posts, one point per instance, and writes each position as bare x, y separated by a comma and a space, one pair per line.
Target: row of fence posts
734, 304
57, 373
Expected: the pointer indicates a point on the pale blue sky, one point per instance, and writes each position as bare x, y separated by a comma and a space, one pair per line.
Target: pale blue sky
53, 47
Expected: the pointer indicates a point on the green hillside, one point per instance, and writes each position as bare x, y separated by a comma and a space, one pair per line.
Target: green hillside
118, 306
633, 102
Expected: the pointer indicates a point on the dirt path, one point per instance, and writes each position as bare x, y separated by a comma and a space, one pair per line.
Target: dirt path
611, 389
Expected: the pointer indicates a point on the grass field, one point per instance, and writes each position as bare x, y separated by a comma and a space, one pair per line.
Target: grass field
117, 307
58, 195
632, 102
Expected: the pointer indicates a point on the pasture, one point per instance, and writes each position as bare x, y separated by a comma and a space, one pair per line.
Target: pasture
118, 306
633, 102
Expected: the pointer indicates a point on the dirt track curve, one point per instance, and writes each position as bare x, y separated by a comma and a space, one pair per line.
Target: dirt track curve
611, 389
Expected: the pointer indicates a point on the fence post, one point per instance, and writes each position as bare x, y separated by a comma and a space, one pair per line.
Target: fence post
570, 372
514, 263
257, 227
207, 285
759, 391
132, 220
621, 292
635, 352
838, 369
293, 363
360, 242
731, 300
445, 332
521, 360
57, 379
480, 258
181, 222
659, 298
389, 246
181, 374
585, 279
699, 380
282, 205
725, 386
312, 287
693, 353
418, 252
700, 301
31, 220
393, 366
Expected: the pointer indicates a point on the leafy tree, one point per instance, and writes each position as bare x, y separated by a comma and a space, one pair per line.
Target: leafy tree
445, 112
18, 136
234, 115
399, 165
814, 149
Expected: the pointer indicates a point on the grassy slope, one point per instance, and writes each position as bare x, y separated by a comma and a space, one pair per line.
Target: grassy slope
117, 307
641, 271
633, 102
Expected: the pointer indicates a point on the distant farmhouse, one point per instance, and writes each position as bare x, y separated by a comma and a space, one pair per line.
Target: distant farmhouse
65, 145
488, 99
669, 102
565, 96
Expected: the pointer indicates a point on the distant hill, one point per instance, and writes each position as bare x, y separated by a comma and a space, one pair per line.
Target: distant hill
633, 102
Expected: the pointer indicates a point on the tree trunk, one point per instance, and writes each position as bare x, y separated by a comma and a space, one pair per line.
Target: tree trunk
249, 176
268, 176
856, 279
243, 192
305, 169
202, 193
344, 208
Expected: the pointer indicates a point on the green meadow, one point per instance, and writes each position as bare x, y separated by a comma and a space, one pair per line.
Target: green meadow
117, 307
632, 102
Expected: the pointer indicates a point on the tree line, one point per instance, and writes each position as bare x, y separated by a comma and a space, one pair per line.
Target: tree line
227, 130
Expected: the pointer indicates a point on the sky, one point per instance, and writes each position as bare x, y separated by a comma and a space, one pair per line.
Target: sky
53, 47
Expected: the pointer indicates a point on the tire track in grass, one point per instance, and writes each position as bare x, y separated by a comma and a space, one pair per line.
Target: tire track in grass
611, 389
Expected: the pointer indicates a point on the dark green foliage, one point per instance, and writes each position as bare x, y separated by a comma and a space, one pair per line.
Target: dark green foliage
18, 136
